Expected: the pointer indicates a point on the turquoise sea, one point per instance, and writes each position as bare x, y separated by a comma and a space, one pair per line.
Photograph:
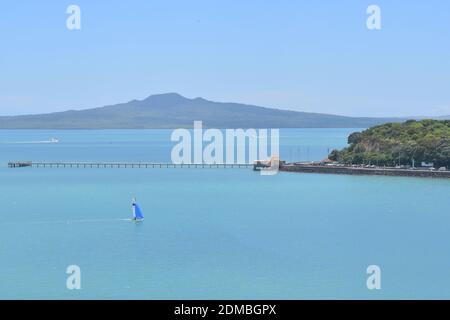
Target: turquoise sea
213, 233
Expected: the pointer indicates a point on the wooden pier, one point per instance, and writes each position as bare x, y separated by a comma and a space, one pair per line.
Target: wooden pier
130, 165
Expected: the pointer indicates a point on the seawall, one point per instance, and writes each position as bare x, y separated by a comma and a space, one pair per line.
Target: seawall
305, 168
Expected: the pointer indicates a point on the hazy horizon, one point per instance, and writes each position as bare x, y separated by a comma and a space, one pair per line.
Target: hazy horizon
311, 57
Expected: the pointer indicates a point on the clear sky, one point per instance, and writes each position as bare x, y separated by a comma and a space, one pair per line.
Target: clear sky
314, 56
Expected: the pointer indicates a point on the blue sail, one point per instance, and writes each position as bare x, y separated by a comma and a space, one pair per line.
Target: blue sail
137, 212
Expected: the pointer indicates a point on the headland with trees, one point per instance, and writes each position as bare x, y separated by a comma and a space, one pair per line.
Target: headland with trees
411, 143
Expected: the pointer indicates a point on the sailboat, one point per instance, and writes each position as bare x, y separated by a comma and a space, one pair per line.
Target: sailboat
137, 213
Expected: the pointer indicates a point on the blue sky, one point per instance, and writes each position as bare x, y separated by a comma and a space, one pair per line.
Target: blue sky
313, 56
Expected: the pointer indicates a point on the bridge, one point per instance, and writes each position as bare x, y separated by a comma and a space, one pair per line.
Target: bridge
131, 165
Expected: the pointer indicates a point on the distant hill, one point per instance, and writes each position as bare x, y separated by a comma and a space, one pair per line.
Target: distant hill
172, 110
399, 143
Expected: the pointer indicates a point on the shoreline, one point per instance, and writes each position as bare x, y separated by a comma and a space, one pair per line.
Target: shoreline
311, 168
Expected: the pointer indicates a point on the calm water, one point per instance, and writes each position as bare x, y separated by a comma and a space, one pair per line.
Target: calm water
213, 233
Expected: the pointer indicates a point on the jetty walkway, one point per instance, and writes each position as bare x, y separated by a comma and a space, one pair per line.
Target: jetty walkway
132, 165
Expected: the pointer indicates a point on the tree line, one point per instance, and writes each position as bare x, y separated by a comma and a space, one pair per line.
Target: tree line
399, 144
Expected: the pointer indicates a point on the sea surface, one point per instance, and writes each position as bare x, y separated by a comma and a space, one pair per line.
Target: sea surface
212, 233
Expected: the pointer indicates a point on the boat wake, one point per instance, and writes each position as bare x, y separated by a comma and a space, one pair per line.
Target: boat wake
137, 217
95, 220
66, 221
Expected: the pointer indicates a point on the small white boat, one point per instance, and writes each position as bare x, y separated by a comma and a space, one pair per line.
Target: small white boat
53, 140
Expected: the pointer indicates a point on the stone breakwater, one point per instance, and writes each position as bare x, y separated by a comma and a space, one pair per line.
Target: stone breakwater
305, 168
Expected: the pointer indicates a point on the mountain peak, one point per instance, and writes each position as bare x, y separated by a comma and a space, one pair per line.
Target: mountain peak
166, 96
164, 100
